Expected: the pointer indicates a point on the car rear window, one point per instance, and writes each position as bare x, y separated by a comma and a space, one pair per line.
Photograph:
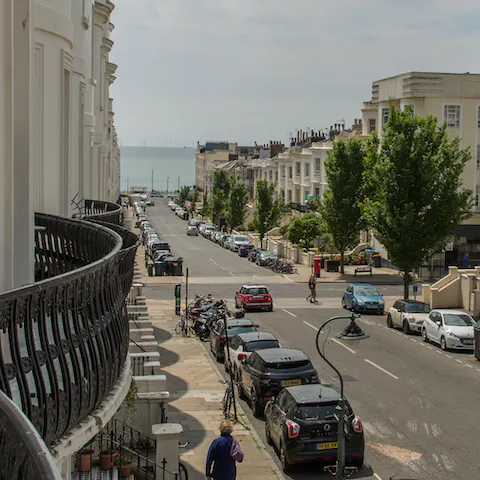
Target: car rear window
160, 246
289, 365
241, 238
317, 412
237, 330
256, 291
261, 345
417, 308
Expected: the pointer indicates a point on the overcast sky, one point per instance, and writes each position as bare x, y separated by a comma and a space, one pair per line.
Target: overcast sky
254, 70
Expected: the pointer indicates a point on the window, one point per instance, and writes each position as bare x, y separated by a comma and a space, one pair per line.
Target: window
297, 169
270, 175
385, 115
261, 345
451, 115
477, 198
478, 156
282, 193
372, 125
283, 171
289, 196
317, 192
290, 172
307, 170
276, 175
318, 166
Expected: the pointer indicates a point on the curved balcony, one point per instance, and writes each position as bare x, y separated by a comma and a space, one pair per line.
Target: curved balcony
64, 339
103, 211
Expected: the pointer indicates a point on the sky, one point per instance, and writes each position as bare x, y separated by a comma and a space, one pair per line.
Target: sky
255, 70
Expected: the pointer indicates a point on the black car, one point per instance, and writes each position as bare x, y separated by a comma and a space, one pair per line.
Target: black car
234, 327
301, 423
267, 371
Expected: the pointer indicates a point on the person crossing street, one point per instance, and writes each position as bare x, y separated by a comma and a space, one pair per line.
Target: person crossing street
312, 282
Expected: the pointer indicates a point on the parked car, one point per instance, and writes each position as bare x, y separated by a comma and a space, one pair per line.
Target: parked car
264, 257
201, 228
451, 329
237, 241
208, 230
234, 327
266, 372
244, 249
363, 297
243, 345
301, 423
192, 230
254, 296
252, 254
409, 315
224, 240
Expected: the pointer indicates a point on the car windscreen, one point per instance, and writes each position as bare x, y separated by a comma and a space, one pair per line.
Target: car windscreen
261, 345
417, 308
287, 366
317, 412
160, 246
458, 320
234, 330
241, 238
267, 254
256, 291
366, 292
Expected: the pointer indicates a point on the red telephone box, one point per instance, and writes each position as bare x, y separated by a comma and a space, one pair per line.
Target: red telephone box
317, 266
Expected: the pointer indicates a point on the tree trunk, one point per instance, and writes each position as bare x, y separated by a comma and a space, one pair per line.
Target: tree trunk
261, 241
406, 285
342, 263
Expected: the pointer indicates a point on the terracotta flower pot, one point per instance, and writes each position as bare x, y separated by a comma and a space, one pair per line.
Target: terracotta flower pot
108, 459
85, 460
125, 470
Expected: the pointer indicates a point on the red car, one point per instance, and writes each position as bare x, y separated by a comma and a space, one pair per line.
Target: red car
254, 296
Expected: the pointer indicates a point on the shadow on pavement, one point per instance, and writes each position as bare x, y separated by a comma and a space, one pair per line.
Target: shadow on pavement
161, 335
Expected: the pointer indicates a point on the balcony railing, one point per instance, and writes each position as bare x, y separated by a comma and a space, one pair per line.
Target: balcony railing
64, 339
103, 211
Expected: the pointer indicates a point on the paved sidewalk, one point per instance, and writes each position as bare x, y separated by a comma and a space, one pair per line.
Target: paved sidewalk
196, 393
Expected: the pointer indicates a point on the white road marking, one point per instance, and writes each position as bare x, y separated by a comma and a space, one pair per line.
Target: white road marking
216, 264
449, 463
377, 476
232, 274
459, 361
288, 278
435, 457
467, 365
426, 428
448, 356
436, 430
381, 369
412, 426
290, 313
478, 369
309, 324
428, 346
413, 340
343, 345
210, 259
223, 268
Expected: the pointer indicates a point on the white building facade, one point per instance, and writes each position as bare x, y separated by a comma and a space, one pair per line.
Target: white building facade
57, 138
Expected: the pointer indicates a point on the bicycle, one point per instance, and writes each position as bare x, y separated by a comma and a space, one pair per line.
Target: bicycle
184, 326
228, 402
182, 469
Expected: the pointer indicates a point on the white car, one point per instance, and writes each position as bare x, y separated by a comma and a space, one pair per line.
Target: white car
451, 329
209, 230
408, 315
236, 241
241, 346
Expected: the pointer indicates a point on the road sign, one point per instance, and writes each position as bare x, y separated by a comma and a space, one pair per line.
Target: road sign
449, 247
415, 289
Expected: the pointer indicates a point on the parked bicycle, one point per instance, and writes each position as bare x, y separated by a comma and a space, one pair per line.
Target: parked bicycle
227, 401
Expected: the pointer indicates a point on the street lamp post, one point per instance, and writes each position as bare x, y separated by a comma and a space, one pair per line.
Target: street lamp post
352, 333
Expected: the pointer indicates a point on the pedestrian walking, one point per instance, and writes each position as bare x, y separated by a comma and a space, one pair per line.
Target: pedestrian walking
223, 454
312, 282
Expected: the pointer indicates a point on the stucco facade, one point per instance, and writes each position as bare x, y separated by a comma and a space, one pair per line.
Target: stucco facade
57, 138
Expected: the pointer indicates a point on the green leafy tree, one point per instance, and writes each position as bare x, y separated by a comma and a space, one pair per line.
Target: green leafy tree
220, 193
194, 199
205, 204
268, 211
414, 195
183, 195
303, 230
237, 201
341, 206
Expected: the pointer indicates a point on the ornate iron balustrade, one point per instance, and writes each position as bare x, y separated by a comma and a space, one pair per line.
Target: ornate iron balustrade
103, 211
64, 339
23, 452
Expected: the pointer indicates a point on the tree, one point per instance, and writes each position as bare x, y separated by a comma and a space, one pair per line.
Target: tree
205, 205
303, 230
220, 192
237, 201
183, 195
341, 205
268, 211
194, 199
414, 195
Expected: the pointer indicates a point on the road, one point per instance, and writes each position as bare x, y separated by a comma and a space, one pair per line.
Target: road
417, 403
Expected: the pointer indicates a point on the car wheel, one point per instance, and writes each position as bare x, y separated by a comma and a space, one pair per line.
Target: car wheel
286, 467
217, 357
389, 321
270, 309
443, 344
241, 392
256, 408
406, 328
424, 335
267, 433
358, 462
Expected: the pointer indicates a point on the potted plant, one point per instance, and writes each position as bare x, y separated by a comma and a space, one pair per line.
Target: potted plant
84, 460
108, 458
125, 465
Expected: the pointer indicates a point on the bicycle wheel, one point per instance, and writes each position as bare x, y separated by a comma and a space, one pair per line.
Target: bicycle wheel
182, 471
179, 327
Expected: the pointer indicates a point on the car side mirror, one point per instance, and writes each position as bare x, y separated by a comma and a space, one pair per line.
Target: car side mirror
439, 323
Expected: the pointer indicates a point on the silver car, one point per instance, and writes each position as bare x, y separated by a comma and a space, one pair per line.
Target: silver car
238, 240
192, 230
451, 329
409, 315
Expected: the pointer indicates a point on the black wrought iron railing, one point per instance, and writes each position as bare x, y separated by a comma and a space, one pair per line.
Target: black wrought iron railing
102, 211
64, 339
23, 453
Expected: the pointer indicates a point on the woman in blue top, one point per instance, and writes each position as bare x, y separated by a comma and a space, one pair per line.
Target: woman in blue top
220, 463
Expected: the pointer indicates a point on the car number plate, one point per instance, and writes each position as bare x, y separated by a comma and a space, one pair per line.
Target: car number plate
257, 298
468, 342
291, 383
327, 445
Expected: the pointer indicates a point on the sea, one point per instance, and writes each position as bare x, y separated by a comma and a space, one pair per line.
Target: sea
170, 165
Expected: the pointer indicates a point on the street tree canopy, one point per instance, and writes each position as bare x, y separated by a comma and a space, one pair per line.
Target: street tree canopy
237, 202
220, 193
303, 230
341, 206
268, 211
413, 187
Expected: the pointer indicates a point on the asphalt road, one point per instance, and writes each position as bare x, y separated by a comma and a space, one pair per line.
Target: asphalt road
418, 404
